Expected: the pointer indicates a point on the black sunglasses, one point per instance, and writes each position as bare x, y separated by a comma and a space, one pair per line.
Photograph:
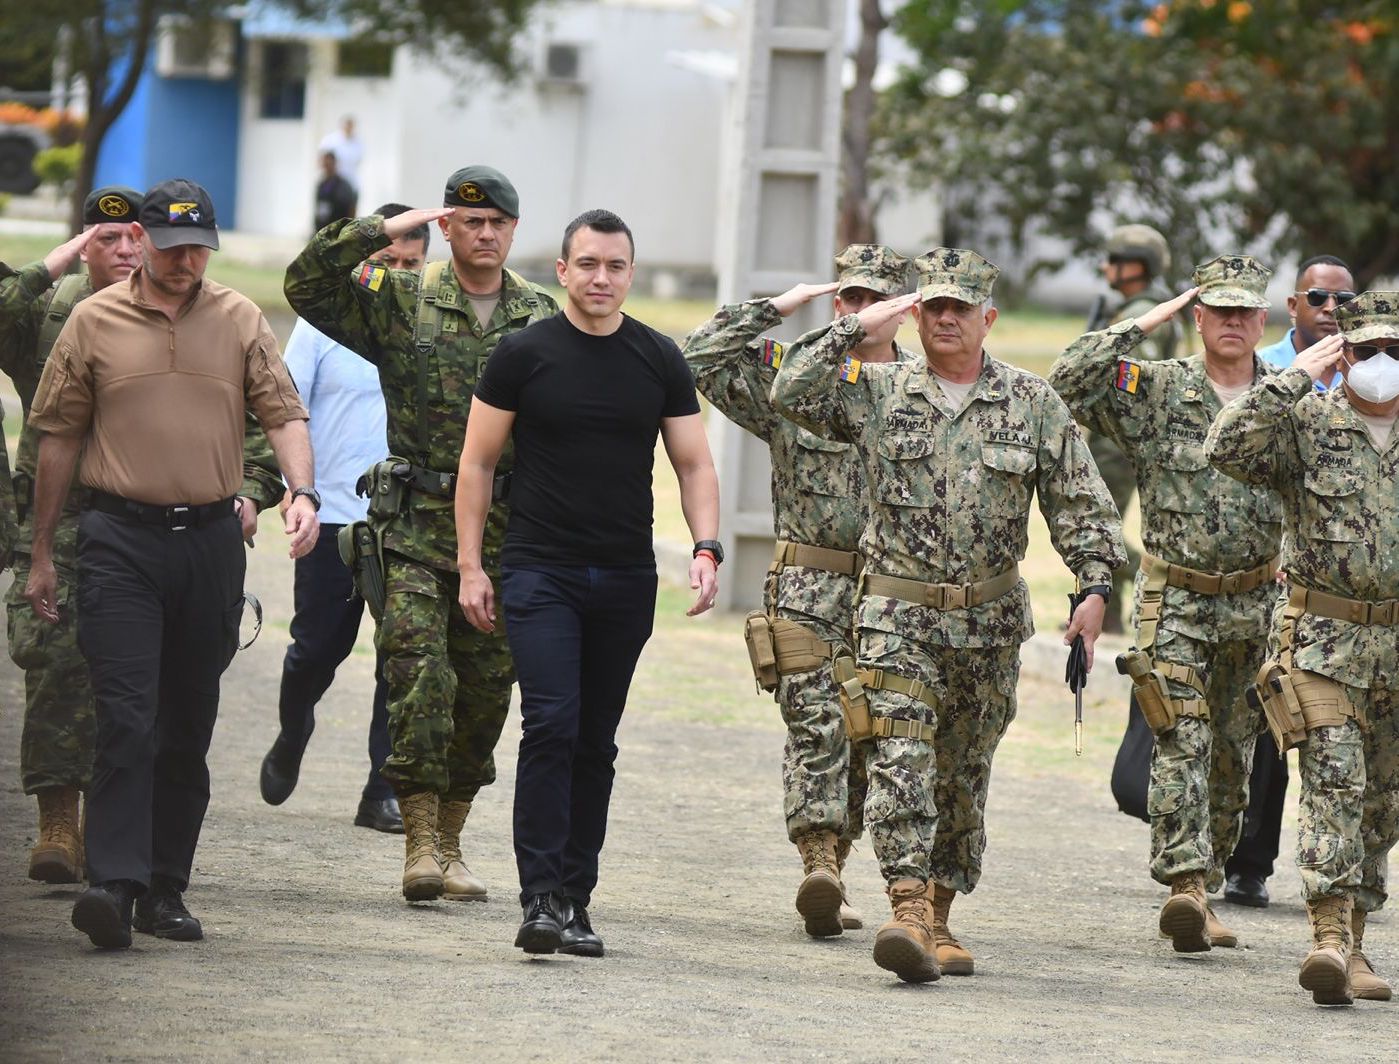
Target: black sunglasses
1114, 259
1360, 352
1317, 297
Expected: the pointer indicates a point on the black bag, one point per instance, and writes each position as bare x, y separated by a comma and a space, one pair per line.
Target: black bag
1131, 770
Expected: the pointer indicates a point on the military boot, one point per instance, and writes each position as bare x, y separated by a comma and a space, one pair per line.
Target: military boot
819, 896
953, 957
458, 883
1364, 983
422, 875
57, 856
905, 945
1325, 970
850, 918
1219, 935
1183, 917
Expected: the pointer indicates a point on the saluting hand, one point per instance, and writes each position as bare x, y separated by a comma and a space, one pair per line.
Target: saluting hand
402, 224
42, 590
1087, 621
704, 577
60, 258
877, 315
1323, 359
1164, 312
477, 598
303, 526
799, 295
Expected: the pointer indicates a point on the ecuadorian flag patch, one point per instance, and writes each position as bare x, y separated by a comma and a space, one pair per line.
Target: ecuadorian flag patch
850, 370
371, 276
1129, 375
772, 353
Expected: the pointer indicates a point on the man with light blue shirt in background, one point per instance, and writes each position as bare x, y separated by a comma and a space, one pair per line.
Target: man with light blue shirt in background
348, 426
1323, 284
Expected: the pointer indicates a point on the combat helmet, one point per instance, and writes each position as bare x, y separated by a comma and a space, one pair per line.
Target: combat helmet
1143, 244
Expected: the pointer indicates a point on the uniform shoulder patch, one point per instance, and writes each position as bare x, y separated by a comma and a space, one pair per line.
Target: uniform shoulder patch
371, 276
1127, 376
771, 353
850, 370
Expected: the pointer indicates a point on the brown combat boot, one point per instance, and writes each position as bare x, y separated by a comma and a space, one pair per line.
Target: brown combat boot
819, 896
1364, 983
953, 957
1184, 914
57, 856
1219, 935
850, 918
422, 875
458, 882
1325, 970
905, 945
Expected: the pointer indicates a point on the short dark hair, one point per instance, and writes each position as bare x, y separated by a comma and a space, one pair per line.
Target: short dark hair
1320, 260
390, 210
600, 221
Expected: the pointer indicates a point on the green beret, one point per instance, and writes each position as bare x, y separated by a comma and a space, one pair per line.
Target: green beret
481, 186
111, 203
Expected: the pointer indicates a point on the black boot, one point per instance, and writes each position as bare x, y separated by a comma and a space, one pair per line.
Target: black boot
1245, 888
161, 912
381, 814
541, 931
103, 913
280, 770
578, 935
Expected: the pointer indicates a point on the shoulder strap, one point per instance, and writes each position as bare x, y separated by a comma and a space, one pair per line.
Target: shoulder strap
527, 292
65, 298
426, 326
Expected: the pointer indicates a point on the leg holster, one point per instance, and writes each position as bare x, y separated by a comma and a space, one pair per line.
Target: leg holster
778, 647
1294, 701
860, 723
1150, 678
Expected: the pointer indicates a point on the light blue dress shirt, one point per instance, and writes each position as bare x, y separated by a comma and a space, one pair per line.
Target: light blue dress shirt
348, 422
1282, 353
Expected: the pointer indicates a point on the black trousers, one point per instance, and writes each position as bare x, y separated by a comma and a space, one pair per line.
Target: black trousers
1257, 848
158, 616
576, 634
323, 630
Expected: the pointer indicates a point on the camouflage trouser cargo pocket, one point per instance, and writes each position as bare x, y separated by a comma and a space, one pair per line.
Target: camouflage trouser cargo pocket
29, 634
1317, 849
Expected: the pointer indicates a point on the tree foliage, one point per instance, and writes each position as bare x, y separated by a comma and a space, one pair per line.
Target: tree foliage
1271, 126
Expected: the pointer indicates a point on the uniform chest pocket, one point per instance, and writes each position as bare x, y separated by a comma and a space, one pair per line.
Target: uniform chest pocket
1179, 480
1334, 507
1008, 476
906, 474
824, 467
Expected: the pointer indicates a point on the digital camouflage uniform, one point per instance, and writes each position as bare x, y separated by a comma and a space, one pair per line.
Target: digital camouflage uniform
1340, 498
56, 745
1192, 516
449, 684
817, 500
949, 504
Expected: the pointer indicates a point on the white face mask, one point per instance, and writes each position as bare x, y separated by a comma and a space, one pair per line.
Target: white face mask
1376, 379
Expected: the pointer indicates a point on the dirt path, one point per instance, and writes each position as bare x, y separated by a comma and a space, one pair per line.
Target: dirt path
312, 954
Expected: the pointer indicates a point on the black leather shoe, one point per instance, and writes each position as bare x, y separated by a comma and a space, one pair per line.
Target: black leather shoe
280, 770
541, 931
380, 814
161, 912
1243, 888
103, 913
578, 935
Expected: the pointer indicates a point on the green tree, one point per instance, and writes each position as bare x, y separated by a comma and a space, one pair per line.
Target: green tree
1275, 123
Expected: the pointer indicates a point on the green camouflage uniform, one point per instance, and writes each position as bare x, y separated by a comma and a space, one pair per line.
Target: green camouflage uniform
1113, 463
56, 744
1341, 509
449, 684
818, 500
8, 519
949, 503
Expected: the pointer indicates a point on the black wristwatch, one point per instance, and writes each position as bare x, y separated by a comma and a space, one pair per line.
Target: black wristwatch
1097, 589
310, 493
711, 545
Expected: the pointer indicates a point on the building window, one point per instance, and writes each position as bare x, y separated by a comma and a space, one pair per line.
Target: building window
364, 57
283, 89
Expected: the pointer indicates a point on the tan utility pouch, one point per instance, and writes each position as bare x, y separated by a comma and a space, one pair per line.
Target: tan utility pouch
385, 484
757, 633
778, 647
854, 703
1153, 694
1297, 702
362, 551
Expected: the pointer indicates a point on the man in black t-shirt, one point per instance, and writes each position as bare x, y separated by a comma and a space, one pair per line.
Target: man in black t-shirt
336, 198
584, 395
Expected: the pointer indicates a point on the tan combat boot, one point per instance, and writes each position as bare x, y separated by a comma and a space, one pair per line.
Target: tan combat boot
458, 883
905, 945
422, 875
1183, 916
1219, 935
1324, 972
1364, 983
953, 957
819, 896
850, 917
57, 856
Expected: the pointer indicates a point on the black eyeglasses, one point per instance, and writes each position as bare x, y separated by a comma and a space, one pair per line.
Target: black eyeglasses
1317, 297
1360, 352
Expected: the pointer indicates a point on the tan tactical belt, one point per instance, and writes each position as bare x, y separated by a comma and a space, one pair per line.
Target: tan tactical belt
941, 596
844, 562
1205, 583
1338, 608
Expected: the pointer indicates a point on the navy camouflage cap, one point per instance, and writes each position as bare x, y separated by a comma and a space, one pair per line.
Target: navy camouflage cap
111, 203
955, 273
872, 266
482, 186
1369, 316
1233, 281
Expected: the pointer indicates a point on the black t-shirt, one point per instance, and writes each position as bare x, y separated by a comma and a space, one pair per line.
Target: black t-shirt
588, 410
335, 199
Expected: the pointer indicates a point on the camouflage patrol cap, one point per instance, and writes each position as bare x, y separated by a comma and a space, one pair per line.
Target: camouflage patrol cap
1232, 281
1143, 244
872, 266
1369, 316
111, 203
482, 186
955, 273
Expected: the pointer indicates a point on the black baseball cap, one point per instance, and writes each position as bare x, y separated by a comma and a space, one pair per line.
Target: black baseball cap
111, 203
482, 186
177, 212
